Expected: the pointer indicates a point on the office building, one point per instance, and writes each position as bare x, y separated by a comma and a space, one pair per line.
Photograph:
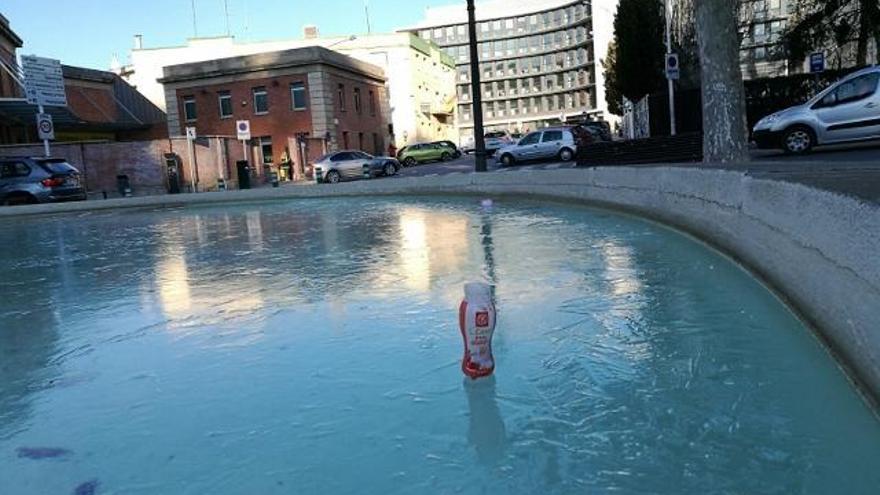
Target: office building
539, 60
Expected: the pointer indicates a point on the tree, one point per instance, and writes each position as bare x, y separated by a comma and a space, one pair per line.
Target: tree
636, 69
835, 25
724, 123
612, 90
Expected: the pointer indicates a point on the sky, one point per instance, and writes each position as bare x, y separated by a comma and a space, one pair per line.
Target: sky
89, 32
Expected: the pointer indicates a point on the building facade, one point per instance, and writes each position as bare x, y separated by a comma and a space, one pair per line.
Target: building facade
290, 97
762, 23
420, 78
539, 60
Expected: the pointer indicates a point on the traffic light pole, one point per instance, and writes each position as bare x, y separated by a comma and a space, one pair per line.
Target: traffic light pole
476, 94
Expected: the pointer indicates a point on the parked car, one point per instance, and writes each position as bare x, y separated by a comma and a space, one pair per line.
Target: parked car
424, 152
25, 180
352, 164
493, 141
552, 142
599, 128
846, 111
449, 144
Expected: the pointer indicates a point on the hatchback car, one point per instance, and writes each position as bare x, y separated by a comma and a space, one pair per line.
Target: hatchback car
452, 147
425, 152
25, 180
493, 140
846, 111
552, 142
352, 164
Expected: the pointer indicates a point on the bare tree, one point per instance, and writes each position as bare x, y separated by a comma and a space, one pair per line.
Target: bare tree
724, 123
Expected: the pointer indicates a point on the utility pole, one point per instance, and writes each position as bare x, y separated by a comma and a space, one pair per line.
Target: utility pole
667, 6
477, 97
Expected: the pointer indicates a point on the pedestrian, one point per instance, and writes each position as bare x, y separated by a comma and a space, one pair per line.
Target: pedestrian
392, 150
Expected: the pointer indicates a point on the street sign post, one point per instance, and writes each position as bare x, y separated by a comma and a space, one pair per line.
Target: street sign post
243, 129
817, 62
190, 137
44, 86
672, 69
44, 81
45, 130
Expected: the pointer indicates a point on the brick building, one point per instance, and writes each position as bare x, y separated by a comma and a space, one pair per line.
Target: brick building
333, 100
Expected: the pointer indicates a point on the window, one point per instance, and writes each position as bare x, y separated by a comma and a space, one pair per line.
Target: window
261, 100
189, 108
372, 102
345, 139
225, 100
551, 136
852, 90
357, 100
460, 30
758, 30
340, 94
266, 149
343, 156
298, 96
14, 169
532, 138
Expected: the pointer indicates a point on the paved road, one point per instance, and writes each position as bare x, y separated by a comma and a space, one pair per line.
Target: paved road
852, 170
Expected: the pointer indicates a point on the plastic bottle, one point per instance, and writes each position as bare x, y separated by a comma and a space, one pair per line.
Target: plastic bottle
476, 319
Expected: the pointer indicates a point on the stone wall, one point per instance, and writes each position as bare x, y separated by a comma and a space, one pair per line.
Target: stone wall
143, 162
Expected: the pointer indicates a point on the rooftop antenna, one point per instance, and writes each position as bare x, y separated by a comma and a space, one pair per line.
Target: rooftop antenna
367, 14
226, 11
195, 27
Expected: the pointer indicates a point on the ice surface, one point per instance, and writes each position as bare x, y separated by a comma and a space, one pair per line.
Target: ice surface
313, 347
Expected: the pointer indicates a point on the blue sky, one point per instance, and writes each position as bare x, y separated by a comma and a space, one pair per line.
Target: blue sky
89, 32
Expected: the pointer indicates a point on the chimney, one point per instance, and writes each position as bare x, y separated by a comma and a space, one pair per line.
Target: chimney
138, 42
310, 32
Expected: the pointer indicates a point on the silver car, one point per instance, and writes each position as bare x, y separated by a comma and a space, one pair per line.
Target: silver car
846, 111
26, 180
549, 143
352, 164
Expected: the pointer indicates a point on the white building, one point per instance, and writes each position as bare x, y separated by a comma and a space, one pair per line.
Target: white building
421, 78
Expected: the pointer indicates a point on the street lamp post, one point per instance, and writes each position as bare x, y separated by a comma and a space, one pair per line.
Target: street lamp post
477, 96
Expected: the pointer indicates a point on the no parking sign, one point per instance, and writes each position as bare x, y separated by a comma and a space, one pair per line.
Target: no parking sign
45, 127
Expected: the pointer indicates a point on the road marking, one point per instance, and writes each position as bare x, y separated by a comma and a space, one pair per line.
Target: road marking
554, 166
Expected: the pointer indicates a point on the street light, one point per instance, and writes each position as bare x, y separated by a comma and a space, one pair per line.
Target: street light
479, 141
350, 38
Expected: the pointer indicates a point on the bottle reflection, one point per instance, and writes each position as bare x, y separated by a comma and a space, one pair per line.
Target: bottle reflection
486, 431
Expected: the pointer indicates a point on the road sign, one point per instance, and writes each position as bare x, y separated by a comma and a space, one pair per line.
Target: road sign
243, 128
191, 133
44, 81
45, 128
672, 67
817, 62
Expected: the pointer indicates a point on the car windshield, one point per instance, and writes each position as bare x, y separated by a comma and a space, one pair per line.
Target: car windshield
58, 167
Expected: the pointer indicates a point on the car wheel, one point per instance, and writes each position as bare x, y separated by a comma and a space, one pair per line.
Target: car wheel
445, 157
410, 161
798, 139
332, 177
507, 160
389, 169
566, 155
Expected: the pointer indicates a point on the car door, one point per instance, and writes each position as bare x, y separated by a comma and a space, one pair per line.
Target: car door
527, 148
353, 165
851, 111
339, 162
551, 141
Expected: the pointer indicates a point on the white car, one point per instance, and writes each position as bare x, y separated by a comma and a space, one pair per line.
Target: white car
494, 140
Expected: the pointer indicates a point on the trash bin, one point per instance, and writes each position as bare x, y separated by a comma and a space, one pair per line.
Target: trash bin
221, 184
123, 185
244, 174
273, 178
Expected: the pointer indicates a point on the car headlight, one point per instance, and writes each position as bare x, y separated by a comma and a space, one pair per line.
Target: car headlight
768, 119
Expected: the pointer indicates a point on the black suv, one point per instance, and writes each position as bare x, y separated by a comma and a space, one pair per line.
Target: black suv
25, 180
